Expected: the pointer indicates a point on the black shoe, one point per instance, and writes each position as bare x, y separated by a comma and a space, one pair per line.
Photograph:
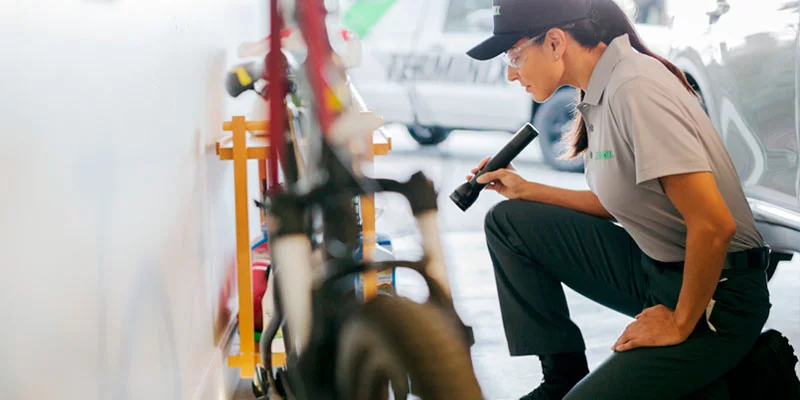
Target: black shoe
543, 392
767, 371
561, 373
538, 394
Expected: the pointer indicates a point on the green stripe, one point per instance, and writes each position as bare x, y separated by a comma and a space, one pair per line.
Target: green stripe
365, 14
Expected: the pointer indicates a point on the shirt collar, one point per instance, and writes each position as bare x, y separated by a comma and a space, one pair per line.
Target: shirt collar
614, 53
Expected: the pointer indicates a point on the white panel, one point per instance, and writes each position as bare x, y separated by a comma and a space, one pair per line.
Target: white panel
116, 218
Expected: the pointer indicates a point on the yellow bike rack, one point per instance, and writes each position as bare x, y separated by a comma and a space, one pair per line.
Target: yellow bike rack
240, 146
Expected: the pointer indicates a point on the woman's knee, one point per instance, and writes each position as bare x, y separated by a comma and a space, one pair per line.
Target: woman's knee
507, 212
496, 216
512, 226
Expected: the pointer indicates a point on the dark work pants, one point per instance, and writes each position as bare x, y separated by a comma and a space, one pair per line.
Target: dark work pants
536, 247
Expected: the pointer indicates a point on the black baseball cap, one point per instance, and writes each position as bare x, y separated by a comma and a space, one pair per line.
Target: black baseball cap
516, 19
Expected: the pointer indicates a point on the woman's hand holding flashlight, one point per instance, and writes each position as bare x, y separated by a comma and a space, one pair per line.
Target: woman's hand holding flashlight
505, 181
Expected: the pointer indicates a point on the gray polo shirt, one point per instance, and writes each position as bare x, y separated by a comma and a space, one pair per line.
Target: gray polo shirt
642, 124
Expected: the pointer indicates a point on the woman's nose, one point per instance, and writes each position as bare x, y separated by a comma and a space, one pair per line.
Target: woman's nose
512, 73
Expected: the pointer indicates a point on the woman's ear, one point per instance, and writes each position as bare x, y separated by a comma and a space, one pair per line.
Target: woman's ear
557, 40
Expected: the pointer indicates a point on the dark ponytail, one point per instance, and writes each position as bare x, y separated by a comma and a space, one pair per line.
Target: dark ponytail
606, 21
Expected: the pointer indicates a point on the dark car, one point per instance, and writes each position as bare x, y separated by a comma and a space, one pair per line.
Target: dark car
742, 57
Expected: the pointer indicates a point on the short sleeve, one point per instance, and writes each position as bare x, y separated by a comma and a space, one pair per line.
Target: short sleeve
656, 125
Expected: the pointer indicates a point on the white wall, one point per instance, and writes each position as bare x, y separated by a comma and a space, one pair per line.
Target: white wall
116, 217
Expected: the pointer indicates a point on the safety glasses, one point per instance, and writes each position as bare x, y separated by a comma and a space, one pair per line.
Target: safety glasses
515, 56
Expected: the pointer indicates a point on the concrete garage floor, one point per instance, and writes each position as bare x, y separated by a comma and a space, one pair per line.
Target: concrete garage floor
502, 376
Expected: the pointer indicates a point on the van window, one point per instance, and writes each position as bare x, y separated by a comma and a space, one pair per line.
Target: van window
468, 16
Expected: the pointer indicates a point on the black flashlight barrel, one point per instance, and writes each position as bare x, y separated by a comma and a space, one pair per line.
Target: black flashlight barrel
521, 139
468, 192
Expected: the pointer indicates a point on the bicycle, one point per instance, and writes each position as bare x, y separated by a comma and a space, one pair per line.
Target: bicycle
339, 347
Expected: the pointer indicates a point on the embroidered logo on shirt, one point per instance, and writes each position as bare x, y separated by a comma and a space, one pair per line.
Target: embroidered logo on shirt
604, 155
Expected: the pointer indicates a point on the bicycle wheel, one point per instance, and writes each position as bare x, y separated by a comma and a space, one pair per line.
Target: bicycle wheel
411, 345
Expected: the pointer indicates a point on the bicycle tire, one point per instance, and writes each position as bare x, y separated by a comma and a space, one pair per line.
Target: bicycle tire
393, 338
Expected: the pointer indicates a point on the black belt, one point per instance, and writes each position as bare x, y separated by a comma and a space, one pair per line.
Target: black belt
756, 258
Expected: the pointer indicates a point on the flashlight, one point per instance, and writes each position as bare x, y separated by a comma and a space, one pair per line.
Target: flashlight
468, 192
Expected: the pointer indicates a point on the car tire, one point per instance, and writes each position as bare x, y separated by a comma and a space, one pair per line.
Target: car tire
428, 135
552, 119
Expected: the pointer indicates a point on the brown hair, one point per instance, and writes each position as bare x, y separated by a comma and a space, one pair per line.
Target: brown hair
606, 22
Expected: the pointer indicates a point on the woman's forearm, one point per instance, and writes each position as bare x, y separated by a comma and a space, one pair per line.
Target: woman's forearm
579, 200
706, 248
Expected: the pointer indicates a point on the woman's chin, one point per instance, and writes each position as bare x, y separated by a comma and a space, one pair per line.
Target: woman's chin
538, 97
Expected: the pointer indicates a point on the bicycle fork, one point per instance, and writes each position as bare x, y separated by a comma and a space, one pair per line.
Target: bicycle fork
293, 265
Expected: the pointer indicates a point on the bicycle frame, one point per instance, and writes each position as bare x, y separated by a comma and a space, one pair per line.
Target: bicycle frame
311, 306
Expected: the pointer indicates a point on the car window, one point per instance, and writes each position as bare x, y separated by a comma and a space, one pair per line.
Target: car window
646, 12
469, 16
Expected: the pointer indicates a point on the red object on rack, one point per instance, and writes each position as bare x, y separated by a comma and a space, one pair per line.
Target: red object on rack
312, 16
277, 95
260, 281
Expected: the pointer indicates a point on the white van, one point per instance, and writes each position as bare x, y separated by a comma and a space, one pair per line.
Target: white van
415, 70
